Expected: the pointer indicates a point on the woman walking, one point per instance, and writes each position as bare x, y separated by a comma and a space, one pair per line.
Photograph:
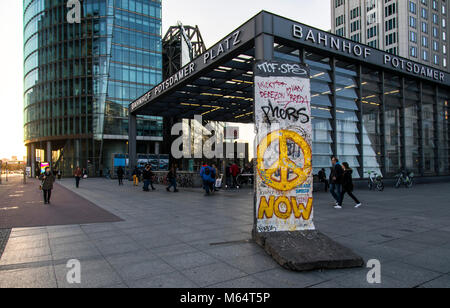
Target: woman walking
47, 179
347, 185
172, 179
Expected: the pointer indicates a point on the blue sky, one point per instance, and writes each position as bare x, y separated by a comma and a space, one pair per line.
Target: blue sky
214, 18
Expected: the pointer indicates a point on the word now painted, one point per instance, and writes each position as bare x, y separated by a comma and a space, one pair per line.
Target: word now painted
267, 208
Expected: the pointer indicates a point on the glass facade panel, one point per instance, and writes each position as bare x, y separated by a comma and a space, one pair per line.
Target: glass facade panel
412, 126
372, 121
321, 110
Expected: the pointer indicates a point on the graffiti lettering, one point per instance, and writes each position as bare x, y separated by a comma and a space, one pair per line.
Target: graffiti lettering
283, 208
291, 114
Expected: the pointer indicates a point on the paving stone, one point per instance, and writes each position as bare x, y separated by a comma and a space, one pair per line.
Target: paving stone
213, 274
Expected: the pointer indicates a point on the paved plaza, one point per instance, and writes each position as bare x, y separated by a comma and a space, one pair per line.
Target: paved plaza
187, 240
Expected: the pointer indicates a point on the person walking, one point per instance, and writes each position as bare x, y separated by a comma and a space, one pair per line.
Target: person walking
323, 178
148, 175
78, 174
120, 174
336, 175
234, 173
47, 179
208, 176
136, 176
216, 176
347, 185
172, 179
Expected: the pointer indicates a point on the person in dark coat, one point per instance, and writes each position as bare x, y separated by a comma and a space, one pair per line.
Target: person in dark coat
323, 178
77, 174
148, 178
47, 179
336, 175
120, 174
347, 185
172, 179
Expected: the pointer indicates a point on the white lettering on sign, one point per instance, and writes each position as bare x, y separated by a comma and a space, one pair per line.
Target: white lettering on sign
223, 47
361, 51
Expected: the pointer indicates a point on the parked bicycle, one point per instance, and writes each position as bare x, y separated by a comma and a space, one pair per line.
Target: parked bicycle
405, 178
375, 181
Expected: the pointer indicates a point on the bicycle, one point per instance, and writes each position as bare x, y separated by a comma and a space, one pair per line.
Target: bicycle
375, 181
405, 178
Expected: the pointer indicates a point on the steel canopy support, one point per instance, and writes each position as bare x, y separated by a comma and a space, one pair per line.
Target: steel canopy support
132, 143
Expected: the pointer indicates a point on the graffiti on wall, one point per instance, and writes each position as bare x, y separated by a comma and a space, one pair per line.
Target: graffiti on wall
284, 200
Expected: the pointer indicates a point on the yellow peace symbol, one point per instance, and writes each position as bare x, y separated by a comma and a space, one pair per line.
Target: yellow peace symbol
284, 164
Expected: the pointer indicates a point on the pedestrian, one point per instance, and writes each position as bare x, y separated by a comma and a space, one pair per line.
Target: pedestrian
148, 175
85, 173
120, 174
172, 179
216, 176
347, 185
47, 179
336, 175
228, 177
323, 178
208, 176
59, 175
78, 174
136, 176
234, 173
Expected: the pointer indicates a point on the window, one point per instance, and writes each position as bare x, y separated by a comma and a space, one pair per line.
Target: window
413, 36
424, 13
436, 59
355, 26
425, 55
444, 62
338, 3
435, 32
424, 27
412, 22
413, 52
412, 7
435, 19
340, 20
435, 46
390, 10
391, 39
435, 5
391, 24
444, 49
372, 32
425, 41
355, 13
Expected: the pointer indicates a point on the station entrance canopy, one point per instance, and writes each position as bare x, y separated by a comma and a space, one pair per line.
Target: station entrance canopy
219, 84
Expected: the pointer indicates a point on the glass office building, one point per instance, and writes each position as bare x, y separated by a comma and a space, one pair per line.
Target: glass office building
79, 79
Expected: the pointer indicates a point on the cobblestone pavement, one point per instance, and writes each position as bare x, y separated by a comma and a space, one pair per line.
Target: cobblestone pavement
188, 240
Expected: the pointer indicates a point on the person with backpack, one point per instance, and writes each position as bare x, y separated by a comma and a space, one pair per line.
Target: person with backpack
148, 178
347, 185
47, 179
208, 176
172, 179
136, 176
336, 175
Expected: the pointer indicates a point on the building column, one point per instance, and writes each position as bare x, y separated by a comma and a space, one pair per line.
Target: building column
383, 127
437, 146
132, 143
421, 126
33, 160
360, 116
77, 153
48, 153
403, 126
334, 134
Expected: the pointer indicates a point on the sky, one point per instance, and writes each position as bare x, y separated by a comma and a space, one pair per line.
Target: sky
214, 18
